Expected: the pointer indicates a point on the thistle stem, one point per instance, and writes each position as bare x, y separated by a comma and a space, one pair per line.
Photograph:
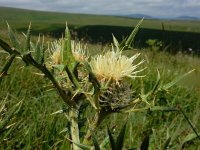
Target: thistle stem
73, 116
97, 121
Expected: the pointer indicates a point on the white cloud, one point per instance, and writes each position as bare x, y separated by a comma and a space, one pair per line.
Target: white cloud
160, 8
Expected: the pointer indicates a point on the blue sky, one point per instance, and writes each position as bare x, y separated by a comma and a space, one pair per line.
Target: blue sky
156, 8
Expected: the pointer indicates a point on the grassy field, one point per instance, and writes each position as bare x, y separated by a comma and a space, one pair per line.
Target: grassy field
34, 127
27, 105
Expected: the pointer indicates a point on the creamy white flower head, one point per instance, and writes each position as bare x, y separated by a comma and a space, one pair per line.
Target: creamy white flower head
78, 50
113, 66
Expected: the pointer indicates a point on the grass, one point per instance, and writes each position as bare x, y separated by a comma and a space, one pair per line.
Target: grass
33, 127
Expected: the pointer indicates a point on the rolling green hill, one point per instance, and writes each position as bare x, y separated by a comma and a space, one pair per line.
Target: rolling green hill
98, 28
46, 20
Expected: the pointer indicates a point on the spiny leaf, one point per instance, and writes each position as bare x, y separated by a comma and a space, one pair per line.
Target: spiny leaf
12, 37
68, 59
72, 77
82, 146
166, 145
115, 42
157, 83
28, 39
112, 141
189, 137
190, 123
169, 85
127, 43
39, 52
155, 88
120, 138
67, 55
96, 85
96, 144
133, 33
104, 142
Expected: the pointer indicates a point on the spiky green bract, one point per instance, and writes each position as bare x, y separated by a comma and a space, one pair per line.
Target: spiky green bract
39, 51
67, 57
12, 37
28, 40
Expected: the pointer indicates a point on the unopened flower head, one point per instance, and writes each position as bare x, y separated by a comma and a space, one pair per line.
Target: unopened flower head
113, 66
78, 50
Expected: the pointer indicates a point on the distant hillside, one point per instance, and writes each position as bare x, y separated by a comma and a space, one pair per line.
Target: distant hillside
187, 18
139, 16
179, 34
48, 21
21, 16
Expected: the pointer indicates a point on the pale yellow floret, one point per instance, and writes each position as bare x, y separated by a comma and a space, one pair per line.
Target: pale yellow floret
79, 51
114, 66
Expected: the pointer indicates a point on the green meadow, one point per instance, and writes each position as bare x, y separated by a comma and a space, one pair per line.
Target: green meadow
179, 35
27, 107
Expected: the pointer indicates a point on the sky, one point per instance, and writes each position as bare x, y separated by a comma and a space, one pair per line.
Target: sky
155, 8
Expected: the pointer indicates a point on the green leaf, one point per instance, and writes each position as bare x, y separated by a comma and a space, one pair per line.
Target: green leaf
169, 85
167, 144
115, 42
120, 138
190, 123
96, 85
128, 42
82, 146
67, 55
12, 37
155, 88
28, 39
96, 144
189, 137
104, 142
39, 52
112, 141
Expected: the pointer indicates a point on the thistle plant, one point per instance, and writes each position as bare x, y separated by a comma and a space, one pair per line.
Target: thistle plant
103, 81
